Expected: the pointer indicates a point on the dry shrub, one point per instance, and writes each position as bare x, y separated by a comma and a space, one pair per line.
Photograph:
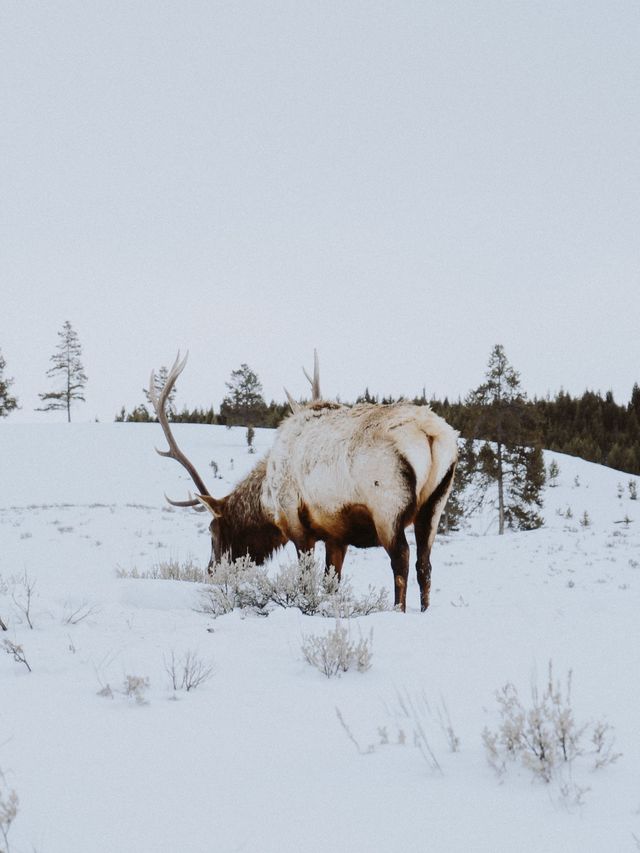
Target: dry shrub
168, 570
302, 583
187, 673
544, 736
8, 811
335, 652
236, 584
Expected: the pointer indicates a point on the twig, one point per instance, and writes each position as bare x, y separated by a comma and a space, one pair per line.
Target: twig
74, 616
17, 652
29, 586
350, 735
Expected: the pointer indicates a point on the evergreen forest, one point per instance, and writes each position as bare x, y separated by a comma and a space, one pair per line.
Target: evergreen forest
592, 426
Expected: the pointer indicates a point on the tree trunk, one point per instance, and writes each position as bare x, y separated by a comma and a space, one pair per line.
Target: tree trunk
500, 492
68, 390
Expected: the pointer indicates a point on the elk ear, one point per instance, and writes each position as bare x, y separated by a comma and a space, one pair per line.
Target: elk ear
214, 505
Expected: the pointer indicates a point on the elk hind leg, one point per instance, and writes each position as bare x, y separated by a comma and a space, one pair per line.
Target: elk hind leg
398, 552
422, 526
426, 526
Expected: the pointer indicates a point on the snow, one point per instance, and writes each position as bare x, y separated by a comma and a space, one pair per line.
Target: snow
255, 759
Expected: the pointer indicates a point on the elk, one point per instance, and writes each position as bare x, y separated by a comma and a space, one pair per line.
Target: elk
342, 475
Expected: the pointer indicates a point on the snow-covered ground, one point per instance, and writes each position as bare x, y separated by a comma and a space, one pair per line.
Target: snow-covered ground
255, 759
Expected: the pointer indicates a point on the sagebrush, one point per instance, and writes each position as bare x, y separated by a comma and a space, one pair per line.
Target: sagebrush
336, 652
302, 583
168, 570
544, 735
8, 812
133, 687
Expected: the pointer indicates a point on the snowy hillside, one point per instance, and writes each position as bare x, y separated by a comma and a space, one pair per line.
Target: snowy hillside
256, 759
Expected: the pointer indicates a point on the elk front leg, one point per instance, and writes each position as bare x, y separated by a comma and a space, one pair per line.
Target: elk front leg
335, 552
304, 546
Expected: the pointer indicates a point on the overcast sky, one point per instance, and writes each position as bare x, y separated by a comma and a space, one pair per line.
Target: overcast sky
401, 185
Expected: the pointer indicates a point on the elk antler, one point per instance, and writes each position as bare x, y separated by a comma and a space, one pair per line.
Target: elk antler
316, 396
294, 405
174, 452
315, 382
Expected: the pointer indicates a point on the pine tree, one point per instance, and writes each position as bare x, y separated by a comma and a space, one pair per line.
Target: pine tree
66, 363
510, 454
524, 486
244, 404
7, 402
367, 397
457, 506
634, 404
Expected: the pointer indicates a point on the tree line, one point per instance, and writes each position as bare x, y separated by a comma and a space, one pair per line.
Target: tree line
243, 405
592, 426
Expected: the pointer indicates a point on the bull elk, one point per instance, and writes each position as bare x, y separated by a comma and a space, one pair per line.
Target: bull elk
342, 475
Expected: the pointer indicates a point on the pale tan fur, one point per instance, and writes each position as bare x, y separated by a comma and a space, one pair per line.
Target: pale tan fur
330, 458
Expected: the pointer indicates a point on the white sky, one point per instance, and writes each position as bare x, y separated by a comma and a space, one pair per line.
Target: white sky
400, 184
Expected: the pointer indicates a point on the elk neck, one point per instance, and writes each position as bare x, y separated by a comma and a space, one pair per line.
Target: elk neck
249, 529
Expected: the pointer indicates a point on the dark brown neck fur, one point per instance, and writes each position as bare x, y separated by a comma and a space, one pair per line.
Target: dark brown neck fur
247, 529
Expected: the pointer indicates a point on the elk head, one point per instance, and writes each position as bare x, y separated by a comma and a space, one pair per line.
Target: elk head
239, 524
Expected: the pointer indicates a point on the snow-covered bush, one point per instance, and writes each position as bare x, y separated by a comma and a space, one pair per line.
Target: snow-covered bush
544, 737
302, 583
8, 812
345, 604
335, 652
168, 570
305, 584
236, 584
135, 687
241, 584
